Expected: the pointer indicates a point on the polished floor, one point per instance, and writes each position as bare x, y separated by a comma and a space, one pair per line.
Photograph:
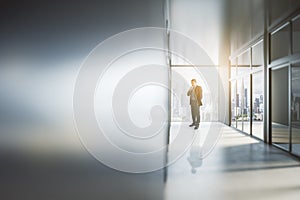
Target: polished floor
220, 163
238, 167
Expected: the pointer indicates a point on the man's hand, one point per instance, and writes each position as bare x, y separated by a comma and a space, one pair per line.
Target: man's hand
190, 90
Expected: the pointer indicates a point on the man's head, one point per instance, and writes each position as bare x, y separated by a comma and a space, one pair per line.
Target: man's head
193, 82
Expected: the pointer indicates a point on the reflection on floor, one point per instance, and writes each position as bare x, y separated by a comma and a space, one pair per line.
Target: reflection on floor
239, 167
280, 133
257, 129
220, 163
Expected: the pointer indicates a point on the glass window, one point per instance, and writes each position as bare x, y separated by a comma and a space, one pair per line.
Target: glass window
258, 55
295, 109
258, 104
246, 105
239, 104
233, 103
181, 82
296, 36
280, 107
280, 43
244, 63
233, 67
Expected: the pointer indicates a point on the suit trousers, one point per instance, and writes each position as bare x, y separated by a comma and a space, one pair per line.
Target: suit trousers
195, 112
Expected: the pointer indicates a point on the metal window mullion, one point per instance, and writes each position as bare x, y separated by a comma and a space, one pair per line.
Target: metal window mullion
289, 106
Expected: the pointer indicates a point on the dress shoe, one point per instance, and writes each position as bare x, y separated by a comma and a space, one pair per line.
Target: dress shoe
196, 127
191, 125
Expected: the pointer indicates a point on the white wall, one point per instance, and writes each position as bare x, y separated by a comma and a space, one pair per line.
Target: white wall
200, 20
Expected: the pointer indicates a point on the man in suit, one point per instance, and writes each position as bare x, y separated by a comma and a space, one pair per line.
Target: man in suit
195, 94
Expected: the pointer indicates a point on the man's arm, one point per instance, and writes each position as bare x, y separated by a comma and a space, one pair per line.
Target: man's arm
189, 92
200, 92
199, 95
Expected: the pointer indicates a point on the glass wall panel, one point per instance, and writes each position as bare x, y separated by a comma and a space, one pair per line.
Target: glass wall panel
295, 109
296, 36
280, 107
258, 104
233, 103
207, 78
244, 63
239, 104
233, 67
280, 43
258, 55
246, 105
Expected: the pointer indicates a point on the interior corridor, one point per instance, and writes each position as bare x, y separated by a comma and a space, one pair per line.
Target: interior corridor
94, 105
239, 167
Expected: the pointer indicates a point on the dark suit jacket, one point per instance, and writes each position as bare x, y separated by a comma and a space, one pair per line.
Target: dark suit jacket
198, 92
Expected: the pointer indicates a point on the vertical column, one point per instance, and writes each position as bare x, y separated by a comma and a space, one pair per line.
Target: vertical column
267, 85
